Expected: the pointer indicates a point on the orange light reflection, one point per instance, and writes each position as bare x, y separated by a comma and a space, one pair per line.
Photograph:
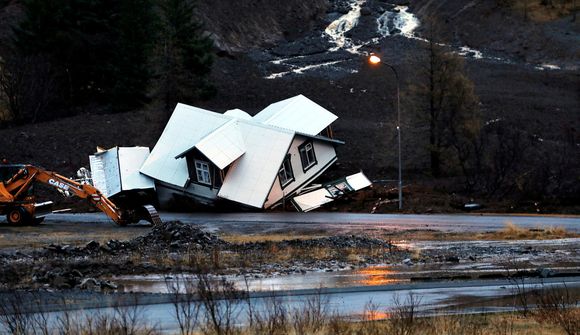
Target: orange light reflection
377, 276
375, 315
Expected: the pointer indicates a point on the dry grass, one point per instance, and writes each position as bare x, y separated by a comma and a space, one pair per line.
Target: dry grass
22, 237
500, 324
512, 231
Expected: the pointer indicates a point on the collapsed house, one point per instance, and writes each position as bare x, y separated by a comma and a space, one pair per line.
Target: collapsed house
256, 162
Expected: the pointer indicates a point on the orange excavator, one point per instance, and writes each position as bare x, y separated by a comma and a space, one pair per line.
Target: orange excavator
17, 199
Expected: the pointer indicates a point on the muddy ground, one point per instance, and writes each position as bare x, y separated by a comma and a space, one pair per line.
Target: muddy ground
86, 256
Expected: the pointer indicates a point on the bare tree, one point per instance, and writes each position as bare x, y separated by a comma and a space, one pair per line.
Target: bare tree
558, 306
185, 303
404, 314
447, 103
221, 304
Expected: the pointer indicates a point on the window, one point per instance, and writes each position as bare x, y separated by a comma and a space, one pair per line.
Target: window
307, 155
202, 172
285, 174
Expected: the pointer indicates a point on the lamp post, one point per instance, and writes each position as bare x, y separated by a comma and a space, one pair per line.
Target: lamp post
376, 60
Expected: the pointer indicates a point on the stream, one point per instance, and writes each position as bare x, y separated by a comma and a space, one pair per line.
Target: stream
337, 50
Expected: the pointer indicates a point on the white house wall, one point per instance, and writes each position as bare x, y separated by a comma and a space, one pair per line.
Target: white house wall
325, 156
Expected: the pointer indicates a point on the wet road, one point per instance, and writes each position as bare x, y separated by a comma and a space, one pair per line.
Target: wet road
264, 222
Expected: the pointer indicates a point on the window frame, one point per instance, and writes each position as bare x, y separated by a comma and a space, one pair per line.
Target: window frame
305, 160
288, 181
198, 169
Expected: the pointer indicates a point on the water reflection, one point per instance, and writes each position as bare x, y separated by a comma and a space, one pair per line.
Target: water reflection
375, 276
370, 276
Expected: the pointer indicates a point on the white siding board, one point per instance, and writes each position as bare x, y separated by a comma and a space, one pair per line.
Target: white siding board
98, 174
117, 170
107, 179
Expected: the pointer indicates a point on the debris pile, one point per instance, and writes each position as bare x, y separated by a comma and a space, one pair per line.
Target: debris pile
334, 242
172, 235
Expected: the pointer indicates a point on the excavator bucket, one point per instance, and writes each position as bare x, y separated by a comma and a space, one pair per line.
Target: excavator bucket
43, 209
152, 215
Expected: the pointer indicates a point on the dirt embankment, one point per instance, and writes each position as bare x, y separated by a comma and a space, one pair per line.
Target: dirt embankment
238, 26
526, 31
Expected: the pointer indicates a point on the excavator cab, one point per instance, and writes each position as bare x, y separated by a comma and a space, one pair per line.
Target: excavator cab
22, 208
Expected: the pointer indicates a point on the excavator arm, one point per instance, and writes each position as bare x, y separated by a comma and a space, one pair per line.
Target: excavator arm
13, 189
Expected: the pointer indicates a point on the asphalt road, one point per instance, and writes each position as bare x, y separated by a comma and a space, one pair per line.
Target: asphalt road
261, 222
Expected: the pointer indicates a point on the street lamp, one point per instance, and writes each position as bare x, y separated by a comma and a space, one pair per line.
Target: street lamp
376, 60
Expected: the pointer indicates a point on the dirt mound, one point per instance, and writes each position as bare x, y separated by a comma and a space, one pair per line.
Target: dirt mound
173, 235
333, 242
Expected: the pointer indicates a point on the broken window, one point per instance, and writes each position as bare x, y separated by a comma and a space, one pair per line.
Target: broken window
286, 174
202, 172
307, 155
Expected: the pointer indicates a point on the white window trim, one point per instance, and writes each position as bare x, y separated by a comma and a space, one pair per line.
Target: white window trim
200, 168
284, 183
305, 156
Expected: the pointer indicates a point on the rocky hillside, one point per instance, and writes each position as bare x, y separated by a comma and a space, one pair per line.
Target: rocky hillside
238, 26
525, 72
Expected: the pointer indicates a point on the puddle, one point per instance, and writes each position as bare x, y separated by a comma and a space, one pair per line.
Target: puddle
371, 276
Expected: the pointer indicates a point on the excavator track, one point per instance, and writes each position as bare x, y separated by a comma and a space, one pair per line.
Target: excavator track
153, 215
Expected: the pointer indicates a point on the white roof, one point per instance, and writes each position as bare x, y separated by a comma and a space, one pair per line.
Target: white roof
186, 127
238, 113
224, 145
250, 179
297, 113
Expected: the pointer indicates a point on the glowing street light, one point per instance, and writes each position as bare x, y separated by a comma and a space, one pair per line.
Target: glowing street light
376, 61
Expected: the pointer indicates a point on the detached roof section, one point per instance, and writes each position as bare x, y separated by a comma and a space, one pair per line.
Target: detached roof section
222, 146
186, 127
250, 179
297, 113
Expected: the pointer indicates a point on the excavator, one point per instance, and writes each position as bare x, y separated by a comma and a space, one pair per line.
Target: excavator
18, 202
